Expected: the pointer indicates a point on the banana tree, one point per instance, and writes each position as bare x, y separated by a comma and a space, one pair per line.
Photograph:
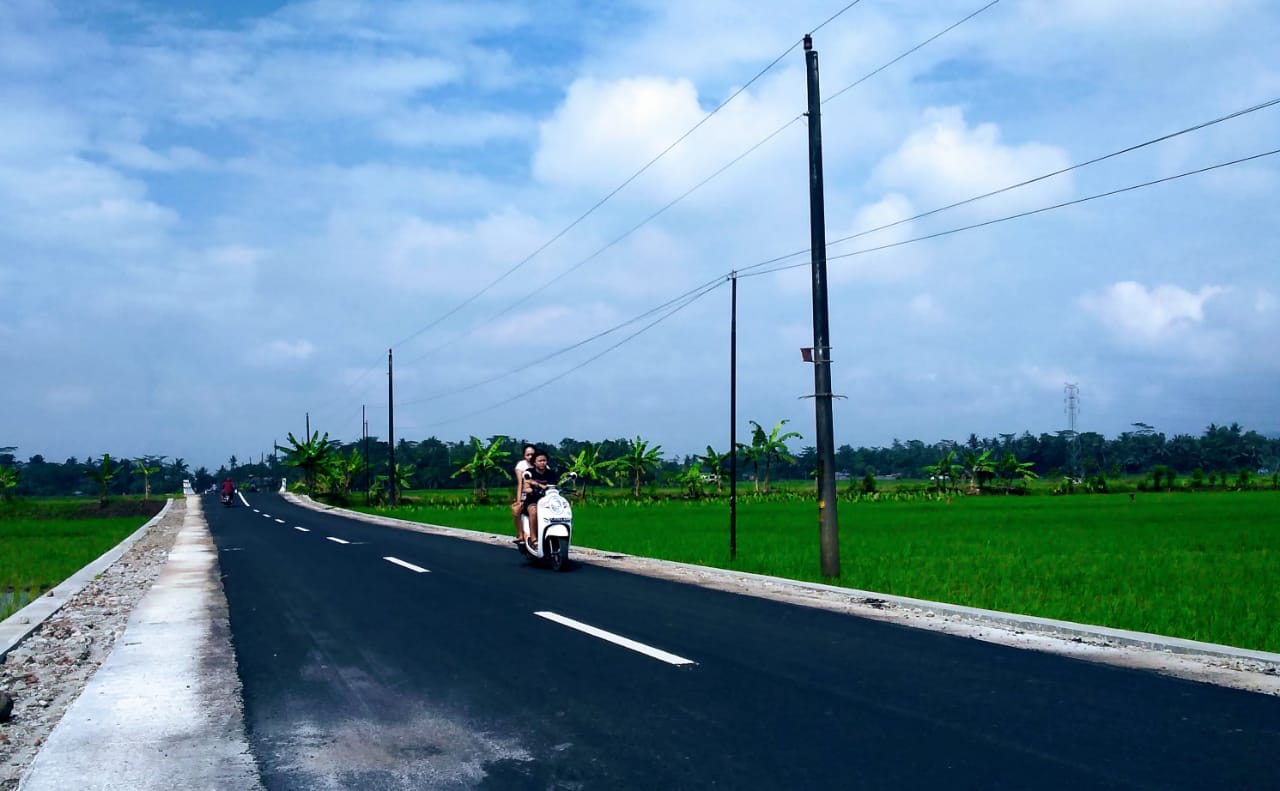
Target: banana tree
978, 468
589, 469
1010, 468
943, 472
638, 463
485, 461
8, 482
691, 480
103, 474
342, 470
773, 446
753, 454
715, 461
143, 467
311, 456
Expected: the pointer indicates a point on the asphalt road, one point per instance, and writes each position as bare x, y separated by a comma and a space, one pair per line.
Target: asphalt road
362, 672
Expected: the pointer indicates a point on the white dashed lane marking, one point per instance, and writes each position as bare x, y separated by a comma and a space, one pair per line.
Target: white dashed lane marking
337, 540
625, 642
303, 529
409, 566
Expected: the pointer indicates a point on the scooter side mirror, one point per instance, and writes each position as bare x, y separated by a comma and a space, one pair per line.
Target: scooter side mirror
528, 476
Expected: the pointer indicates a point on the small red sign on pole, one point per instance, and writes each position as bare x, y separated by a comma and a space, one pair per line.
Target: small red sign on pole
807, 353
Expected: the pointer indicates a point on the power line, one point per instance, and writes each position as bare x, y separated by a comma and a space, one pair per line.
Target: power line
702, 183
1029, 213
605, 199
833, 18
526, 391
778, 259
922, 44
1094, 161
639, 172
565, 350
524, 296
1010, 187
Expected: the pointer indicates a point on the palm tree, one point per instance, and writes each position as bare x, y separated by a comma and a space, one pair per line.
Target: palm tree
311, 456
638, 462
773, 446
102, 475
589, 469
484, 462
179, 472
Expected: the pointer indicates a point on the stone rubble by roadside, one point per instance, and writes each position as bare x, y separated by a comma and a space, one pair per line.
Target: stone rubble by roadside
47, 671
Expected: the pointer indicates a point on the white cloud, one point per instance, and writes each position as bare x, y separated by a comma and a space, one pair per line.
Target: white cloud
1135, 313
69, 397
925, 307
1047, 378
1135, 16
605, 131
949, 161
279, 352
428, 126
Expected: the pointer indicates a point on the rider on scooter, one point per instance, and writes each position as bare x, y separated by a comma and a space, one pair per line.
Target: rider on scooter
228, 488
540, 477
517, 505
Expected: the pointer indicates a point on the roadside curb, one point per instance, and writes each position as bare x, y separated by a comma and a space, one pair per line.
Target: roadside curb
20, 625
810, 594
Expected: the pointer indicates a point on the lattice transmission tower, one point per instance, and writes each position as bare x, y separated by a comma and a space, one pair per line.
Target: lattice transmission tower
1071, 397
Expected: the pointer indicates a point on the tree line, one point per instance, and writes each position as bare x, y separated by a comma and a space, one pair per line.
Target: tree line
1219, 454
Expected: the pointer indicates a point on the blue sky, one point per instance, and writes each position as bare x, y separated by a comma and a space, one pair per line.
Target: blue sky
219, 216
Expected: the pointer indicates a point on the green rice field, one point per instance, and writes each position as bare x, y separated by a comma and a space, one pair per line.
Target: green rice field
38, 551
1202, 566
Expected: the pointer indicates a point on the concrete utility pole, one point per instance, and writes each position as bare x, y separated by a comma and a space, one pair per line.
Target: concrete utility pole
829, 527
391, 433
733, 417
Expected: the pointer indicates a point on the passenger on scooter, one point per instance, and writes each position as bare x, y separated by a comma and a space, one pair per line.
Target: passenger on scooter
540, 477
517, 505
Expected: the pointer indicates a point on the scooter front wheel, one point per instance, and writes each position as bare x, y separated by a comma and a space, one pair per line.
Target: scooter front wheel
558, 551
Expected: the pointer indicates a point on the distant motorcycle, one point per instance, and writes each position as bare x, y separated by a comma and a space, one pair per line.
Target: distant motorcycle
226, 499
554, 528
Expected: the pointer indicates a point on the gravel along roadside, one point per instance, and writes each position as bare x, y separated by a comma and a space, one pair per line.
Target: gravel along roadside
47, 671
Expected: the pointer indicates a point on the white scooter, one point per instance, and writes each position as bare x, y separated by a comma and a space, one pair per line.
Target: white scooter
555, 528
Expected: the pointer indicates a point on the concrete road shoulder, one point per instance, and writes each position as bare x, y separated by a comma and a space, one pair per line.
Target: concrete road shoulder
165, 710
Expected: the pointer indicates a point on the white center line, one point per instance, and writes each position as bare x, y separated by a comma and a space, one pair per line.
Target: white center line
256, 511
267, 515
409, 566
337, 540
647, 650
303, 529
281, 521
